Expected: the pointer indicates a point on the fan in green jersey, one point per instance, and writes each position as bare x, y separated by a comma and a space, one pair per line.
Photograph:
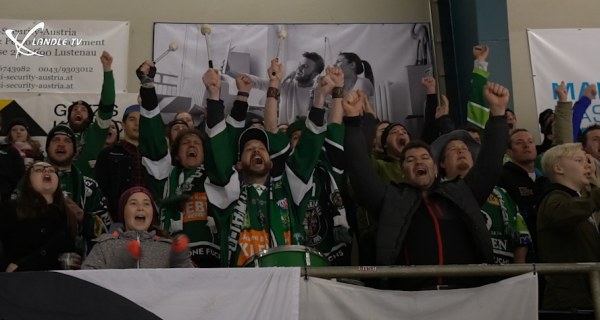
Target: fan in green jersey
178, 179
90, 133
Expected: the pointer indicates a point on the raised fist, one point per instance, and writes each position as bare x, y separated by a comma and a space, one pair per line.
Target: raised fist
106, 60
591, 91
212, 80
275, 71
243, 83
146, 72
429, 84
444, 109
336, 74
353, 103
481, 52
497, 96
325, 85
561, 92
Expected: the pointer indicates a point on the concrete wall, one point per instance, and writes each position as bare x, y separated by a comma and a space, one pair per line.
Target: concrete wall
142, 15
539, 14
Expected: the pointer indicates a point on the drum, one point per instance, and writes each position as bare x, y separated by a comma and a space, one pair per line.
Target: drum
288, 256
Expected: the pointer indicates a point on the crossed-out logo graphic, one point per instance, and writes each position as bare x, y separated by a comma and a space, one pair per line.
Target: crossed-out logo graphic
41, 40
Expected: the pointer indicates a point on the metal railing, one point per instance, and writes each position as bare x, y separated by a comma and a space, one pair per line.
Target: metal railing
362, 272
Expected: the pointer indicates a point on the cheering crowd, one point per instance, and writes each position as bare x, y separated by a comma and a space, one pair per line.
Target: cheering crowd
179, 196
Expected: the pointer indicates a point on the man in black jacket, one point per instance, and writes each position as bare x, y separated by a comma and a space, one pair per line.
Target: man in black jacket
119, 167
523, 183
12, 168
425, 221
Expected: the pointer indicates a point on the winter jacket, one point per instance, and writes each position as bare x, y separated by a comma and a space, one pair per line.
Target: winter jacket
110, 252
12, 170
395, 204
568, 234
113, 174
34, 245
526, 193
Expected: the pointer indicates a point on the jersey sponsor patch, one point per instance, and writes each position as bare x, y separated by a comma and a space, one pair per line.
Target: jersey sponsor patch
194, 208
283, 203
316, 224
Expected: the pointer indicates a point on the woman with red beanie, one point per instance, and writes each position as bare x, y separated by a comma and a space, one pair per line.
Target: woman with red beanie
143, 244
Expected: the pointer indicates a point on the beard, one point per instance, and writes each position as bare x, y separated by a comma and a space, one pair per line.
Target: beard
248, 172
78, 127
60, 164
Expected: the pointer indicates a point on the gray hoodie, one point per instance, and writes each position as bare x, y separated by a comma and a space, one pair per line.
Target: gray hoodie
110, 252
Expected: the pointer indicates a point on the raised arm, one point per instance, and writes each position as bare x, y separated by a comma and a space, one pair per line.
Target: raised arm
336, 112
275, 73
367, 185
486, 172
153, 143
478, 109
562, 126
430, 131
303, 160
581, 106
95, 135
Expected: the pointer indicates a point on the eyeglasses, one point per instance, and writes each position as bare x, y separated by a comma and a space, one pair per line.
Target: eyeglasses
40, 168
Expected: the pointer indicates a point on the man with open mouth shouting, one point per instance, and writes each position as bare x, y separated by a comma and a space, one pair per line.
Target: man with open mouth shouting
268, 210
81, 192
178, 179
90, 133
425, 221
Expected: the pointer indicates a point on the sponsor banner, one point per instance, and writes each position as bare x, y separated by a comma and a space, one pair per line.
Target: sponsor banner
564, 55
45, 110
61, 56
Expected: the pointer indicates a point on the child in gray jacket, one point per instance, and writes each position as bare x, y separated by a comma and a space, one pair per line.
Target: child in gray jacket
142, 244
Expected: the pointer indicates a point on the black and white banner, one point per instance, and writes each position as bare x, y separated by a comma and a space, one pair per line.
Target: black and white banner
250, 293
386, 61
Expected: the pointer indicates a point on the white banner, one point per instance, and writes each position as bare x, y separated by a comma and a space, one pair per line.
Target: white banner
386, 61
61, 56
515, 298
567, 55
247, 293
45, 110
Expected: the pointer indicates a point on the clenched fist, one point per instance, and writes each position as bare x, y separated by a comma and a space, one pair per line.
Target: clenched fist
429, 84
481, 52
243, 83
275, 71
106, 60
212, 81
497, 96
325, 85
336, 74
591, 91
353, 103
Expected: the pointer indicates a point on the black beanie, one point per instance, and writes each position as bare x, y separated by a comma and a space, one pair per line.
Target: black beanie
387, 130
17, 122
64, 130
87, 106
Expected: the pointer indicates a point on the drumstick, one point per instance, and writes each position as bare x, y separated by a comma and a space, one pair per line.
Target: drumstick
282, 34
205, 29
172, 47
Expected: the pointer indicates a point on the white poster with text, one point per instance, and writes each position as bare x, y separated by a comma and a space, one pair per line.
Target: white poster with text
564, 55
61, 56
